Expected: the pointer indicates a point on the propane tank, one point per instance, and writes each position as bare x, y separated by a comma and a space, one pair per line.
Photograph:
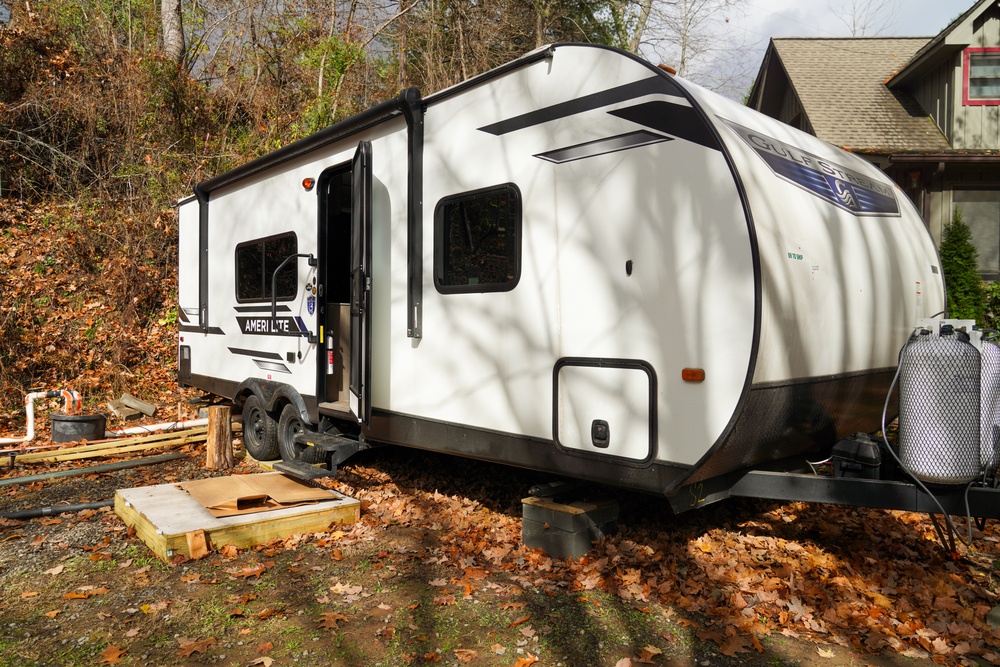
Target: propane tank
989, 424
940, 386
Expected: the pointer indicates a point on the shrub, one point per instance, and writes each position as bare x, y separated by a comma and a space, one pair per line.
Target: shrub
960, 264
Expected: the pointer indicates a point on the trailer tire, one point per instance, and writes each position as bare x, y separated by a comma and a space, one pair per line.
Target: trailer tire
290, 424
260, 431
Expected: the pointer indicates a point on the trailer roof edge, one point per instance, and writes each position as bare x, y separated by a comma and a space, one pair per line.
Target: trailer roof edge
368, 118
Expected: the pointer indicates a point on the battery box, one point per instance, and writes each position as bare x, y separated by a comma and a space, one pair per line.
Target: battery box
857, 456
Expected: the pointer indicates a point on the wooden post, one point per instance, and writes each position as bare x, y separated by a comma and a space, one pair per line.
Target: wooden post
220, 439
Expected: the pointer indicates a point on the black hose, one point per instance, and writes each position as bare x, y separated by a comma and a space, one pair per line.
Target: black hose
56, 509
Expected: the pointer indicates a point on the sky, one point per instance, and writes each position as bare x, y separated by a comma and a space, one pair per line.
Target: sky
815, 18
760, 20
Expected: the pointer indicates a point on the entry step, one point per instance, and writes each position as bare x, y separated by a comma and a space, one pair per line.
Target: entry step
300, 470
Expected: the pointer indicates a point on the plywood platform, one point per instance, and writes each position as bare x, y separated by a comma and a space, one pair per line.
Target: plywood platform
170, 521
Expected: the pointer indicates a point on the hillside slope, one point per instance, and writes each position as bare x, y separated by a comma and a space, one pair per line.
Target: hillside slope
87, 302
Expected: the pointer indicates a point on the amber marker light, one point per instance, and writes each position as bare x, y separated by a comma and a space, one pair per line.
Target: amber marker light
308, 183
667, 68
693, 374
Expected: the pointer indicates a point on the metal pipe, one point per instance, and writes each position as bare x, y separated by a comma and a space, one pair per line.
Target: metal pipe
56, 509
104, 467
70, 398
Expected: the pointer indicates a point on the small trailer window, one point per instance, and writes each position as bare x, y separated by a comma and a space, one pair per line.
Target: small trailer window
255, 264
477, 241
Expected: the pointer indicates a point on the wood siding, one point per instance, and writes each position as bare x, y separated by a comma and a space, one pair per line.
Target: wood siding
936, 94
976, 126
792, 112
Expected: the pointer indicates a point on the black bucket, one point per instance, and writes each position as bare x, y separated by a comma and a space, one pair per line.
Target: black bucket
71, 428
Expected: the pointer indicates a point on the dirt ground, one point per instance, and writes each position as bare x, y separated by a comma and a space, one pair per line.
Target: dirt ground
434, 573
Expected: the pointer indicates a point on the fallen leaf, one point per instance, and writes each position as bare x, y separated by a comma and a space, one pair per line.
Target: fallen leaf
526, 660
438, 582
189, 647
265, 647
825, 653
112, 655
527, 631
345, 589
647, 653
29, 594
465, 654
331, 620
624, 662
265, 661
512, 605
432, 657
523, 619
498, 649
53, 613
58, 569
76, 595
132, 633
444, 600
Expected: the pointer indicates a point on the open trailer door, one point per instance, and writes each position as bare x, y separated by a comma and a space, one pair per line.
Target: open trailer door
361, 224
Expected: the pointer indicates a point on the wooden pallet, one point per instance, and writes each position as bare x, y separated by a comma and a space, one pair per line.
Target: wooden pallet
171, 522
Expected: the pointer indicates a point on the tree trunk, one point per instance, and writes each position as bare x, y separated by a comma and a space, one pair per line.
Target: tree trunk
173, 30
219, 448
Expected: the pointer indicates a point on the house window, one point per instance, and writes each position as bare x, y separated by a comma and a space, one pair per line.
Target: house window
477, 241
981, 212
256, 262
981, 70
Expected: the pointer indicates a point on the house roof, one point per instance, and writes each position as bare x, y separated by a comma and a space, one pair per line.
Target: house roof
955, 36
840, 84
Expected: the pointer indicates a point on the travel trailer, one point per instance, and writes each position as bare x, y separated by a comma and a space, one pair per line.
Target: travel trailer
577, 263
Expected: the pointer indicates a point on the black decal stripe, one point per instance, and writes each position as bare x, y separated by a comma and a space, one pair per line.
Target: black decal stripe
260, 309
683, 122
255, 353
208, 330
629, 91
614, 144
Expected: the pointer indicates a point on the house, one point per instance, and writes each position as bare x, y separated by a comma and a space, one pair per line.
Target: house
926, 110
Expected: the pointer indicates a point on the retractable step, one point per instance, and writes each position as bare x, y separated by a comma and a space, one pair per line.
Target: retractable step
301, 470
338, 447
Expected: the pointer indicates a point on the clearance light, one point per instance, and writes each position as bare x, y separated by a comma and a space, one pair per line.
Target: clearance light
308, 183
667, 69
693, 374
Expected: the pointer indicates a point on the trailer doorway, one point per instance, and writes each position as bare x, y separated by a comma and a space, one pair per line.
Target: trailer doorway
343, 292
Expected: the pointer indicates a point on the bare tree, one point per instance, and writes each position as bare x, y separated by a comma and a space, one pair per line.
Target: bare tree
698, 38
173, 30
866, 17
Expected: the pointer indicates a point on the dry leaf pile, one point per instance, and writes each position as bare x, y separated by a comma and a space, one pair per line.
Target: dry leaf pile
869, 579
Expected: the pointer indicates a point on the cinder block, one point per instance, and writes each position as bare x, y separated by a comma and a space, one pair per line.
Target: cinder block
566, 530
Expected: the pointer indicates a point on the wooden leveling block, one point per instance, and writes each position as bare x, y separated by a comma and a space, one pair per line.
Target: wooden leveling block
170, 521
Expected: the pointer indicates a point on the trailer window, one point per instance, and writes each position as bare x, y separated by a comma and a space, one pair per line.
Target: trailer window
477, 241
255, 264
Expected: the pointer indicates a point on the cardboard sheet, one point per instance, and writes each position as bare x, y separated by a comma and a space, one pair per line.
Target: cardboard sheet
244, 494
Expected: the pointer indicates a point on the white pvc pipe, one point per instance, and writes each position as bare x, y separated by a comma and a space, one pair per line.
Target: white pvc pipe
70, 399
165, 426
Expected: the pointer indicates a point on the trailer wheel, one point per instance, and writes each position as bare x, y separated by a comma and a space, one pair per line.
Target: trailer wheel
260, 431
289, 425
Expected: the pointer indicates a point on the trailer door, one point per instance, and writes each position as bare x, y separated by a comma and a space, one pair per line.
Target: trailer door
361, 223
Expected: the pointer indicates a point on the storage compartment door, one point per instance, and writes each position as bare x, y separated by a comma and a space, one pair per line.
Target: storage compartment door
605, 408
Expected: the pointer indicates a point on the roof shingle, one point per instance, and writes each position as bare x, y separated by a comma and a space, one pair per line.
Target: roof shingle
840, 83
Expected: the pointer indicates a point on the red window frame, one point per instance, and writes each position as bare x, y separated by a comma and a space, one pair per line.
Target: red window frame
966, 62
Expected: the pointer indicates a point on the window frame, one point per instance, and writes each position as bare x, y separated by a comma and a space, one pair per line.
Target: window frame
967, 55
262, 242
514, 194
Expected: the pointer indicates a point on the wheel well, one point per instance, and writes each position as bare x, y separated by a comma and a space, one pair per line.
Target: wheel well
273, 396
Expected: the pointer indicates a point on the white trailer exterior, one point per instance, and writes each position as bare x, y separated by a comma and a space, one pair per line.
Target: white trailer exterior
576, 263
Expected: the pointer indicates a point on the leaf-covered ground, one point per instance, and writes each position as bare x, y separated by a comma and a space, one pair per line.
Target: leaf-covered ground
435, 572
